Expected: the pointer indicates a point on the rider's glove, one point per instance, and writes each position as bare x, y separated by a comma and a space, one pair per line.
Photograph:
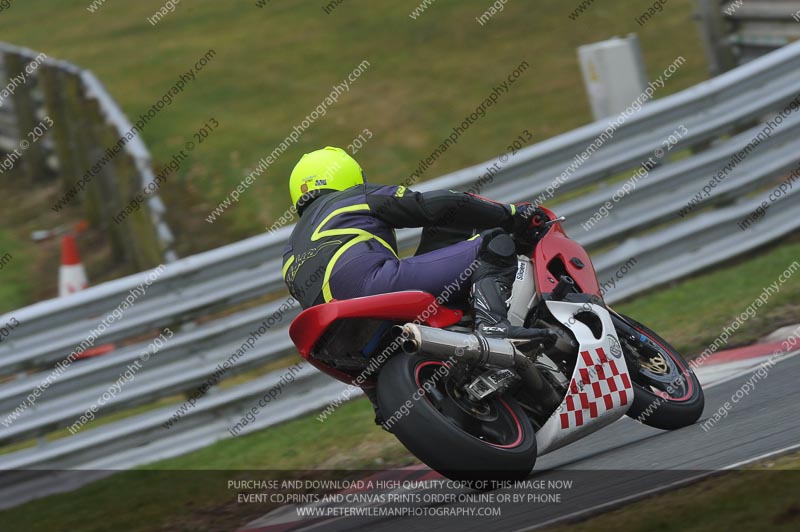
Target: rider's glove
521, 214
528, 226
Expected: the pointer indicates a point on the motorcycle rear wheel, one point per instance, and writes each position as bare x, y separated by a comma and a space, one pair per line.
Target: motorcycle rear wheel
461, 439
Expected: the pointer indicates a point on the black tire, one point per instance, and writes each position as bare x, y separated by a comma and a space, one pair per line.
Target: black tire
436, 438
662, 411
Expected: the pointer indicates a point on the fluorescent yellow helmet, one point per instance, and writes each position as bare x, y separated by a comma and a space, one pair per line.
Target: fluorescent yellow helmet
326, 169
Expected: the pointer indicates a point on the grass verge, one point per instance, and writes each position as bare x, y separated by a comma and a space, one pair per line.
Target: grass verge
691, 313
15, 288
161, 497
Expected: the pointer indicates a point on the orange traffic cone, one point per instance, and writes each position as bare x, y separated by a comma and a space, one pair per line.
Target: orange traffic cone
71, 279
71, 274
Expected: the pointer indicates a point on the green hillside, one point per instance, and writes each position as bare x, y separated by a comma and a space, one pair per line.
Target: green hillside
274, 65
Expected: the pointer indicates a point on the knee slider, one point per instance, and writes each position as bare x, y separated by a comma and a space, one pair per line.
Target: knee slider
497, 257
497, 244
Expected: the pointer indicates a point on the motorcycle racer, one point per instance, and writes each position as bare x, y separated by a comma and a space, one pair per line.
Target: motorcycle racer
346, 229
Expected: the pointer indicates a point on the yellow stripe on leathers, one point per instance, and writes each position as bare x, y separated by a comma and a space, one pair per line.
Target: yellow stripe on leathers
286, 266
359, 234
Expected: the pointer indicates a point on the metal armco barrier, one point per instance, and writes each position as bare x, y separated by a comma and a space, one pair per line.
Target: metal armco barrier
724, 113
81, 120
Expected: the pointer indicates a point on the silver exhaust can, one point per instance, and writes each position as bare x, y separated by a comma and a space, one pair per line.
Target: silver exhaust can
471, 348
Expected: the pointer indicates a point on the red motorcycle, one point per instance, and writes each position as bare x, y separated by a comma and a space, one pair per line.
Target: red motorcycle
473, 407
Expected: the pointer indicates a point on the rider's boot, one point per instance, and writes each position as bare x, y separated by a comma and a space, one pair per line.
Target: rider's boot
492, 281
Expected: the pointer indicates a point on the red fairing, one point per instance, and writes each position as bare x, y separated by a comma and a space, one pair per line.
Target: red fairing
309, 326
556, 245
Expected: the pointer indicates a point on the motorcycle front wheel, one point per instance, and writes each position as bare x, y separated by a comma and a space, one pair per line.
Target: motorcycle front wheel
666, 392
460, 438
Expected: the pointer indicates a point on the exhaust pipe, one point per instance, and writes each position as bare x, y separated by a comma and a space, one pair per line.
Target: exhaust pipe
471, 348
476, 349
